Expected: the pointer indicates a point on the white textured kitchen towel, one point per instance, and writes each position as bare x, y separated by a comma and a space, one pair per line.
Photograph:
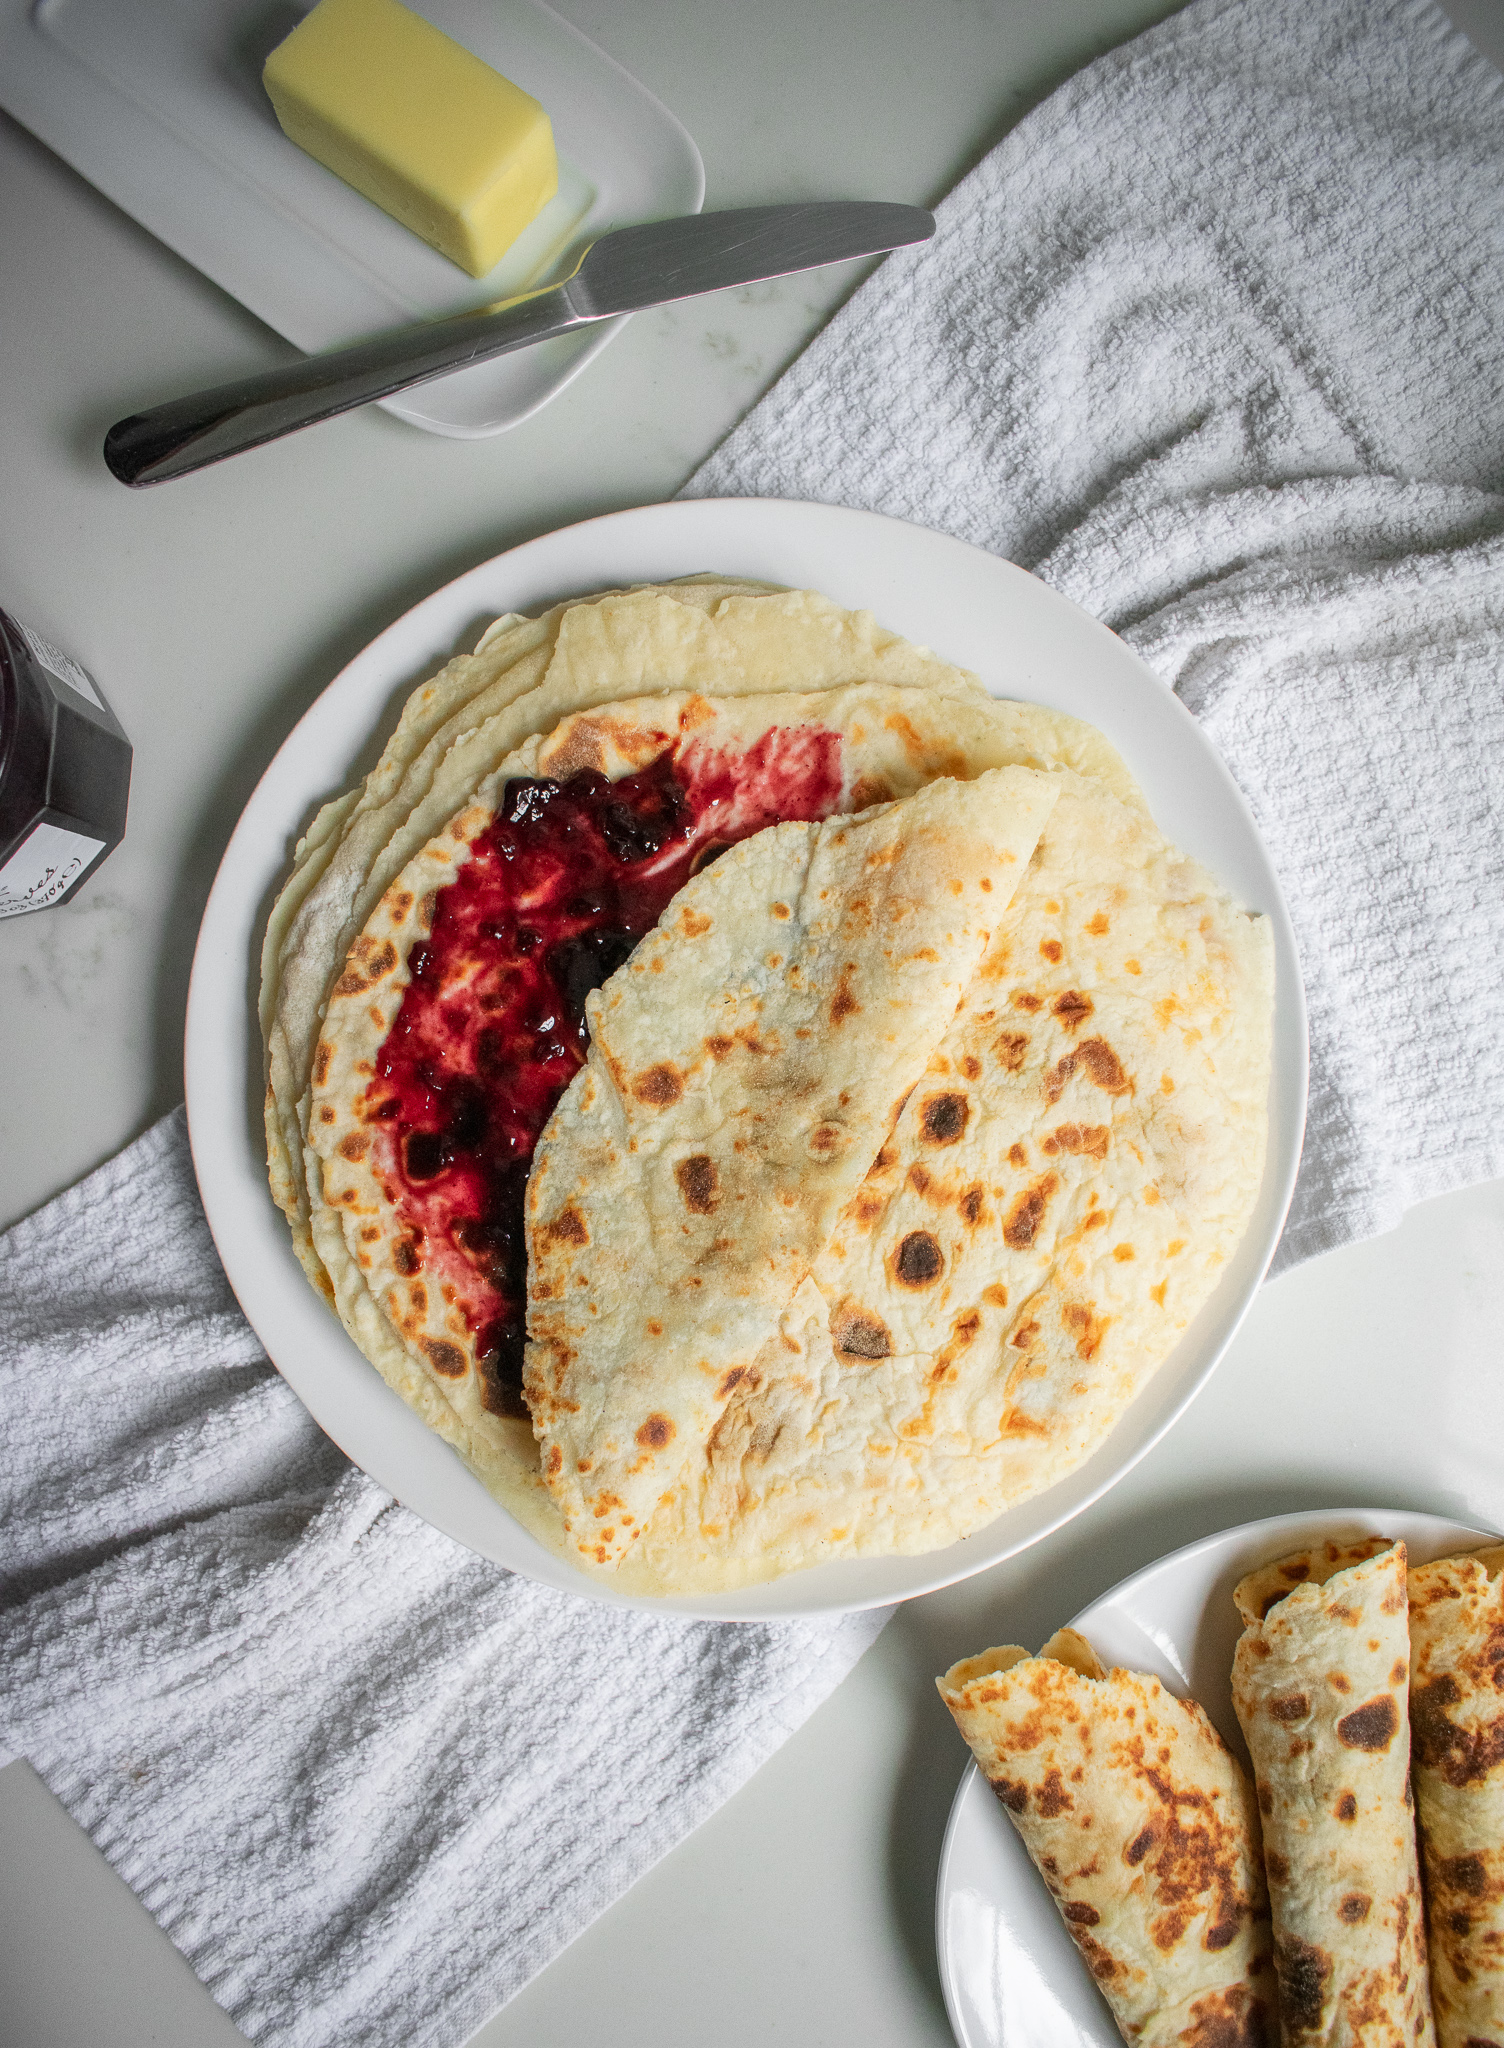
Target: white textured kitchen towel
368, 1783
1214, 343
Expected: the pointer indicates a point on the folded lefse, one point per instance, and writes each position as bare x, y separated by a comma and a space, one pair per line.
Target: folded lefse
1321, 1690
1143, 1826
1457, 1758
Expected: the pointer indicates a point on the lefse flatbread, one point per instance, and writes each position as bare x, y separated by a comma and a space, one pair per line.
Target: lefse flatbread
744, 1070
1320, 1686
902, 1400
1457, 1737
1142, 1824
1057, 1199
411, 1305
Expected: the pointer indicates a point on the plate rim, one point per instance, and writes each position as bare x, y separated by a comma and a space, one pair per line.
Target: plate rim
1313, 1523
687, 530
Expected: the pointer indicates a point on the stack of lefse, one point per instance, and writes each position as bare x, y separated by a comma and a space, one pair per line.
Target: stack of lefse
972, 1330
1212, 1913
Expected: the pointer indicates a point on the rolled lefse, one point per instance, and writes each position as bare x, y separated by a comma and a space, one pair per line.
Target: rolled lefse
1142, 1824
1457, 1757
1320, 1685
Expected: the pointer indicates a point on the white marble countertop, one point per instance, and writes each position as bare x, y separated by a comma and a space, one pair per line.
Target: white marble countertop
214, 610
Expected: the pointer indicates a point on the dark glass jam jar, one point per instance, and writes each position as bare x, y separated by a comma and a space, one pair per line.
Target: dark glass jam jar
65, 773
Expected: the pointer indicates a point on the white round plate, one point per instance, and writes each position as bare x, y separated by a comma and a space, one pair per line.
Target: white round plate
1024, 640
1010, 1972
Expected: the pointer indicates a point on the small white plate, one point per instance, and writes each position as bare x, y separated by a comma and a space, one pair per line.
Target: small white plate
1011, 1974
1024, 640
160, 104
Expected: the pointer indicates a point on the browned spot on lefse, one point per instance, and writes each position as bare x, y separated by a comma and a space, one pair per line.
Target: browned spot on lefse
1051, 950
1087, 1329
1095, 1059
919, 1262
1072, 1008
1467, 1874
1097, 1959
659, 1086
860, 1334
445, 1358
405, 1255
843, 1003
944, 1118
1140, 1846
1011, 1049
655, 1433
1021, 1224
1346, 1807
321, 1058
1086, 1141
1051, 1798
1355, 1906
1290, 1706
868, 790
1372, 1726
699, 1183
1304, 1972
568, 1227
1234, 2017
1463, 1756
971, 1205
1080, 1914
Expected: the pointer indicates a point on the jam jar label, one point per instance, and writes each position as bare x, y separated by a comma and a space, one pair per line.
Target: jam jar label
44, 867
63, 666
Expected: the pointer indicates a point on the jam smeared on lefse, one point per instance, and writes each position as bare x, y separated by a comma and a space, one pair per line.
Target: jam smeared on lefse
557, 891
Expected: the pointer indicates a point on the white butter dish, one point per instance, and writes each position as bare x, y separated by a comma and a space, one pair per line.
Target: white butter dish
159, 103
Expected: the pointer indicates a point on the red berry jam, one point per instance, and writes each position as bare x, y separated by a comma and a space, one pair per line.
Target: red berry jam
557, 891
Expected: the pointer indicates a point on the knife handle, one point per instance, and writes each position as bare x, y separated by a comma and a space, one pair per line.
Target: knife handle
189, 433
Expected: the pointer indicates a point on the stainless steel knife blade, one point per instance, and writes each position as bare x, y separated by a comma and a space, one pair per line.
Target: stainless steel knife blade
678, 259
622, 272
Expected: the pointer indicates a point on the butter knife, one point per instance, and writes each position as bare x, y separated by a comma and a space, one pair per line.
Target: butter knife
621, 273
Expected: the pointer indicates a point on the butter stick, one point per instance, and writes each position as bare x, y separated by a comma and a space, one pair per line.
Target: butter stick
418, 125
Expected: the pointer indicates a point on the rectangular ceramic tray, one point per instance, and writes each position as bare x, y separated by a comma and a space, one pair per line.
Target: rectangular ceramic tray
159, 103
